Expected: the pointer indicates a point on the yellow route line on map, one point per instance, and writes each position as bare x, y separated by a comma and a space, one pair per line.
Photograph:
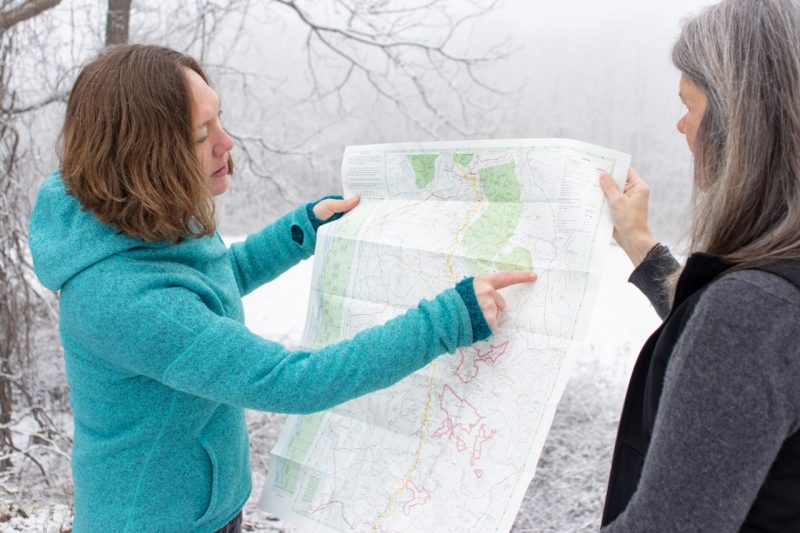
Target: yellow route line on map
473, 181
417, 456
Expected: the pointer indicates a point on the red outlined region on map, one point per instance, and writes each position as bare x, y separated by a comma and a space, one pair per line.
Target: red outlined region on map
460, 419
418, 497
468, 370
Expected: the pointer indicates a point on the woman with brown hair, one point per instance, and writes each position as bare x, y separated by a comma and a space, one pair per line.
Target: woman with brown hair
709, 438
158, 360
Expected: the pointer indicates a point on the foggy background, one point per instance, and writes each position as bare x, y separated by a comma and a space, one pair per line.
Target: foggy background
594, 71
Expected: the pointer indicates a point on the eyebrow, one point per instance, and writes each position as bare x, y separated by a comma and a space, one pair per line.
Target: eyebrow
219, 111
207, 122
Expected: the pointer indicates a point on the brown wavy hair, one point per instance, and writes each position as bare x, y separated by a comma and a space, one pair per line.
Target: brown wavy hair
127, 147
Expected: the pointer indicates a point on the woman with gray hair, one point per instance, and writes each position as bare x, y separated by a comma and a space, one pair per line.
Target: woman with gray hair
709, 438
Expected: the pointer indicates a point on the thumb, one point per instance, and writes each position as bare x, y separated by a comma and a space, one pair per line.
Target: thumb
609, 186
343, 206
329, 207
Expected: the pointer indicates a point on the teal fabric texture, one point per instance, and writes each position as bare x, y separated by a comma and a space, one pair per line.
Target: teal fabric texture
160, 365
480, 328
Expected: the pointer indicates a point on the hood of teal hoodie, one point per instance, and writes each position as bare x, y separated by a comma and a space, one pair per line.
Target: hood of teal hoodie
66, 239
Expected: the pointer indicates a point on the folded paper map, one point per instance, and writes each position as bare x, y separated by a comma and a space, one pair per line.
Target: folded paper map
454, 446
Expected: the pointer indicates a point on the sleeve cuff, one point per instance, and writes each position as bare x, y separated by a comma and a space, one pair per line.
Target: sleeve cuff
657, 266
480, 328
315, 222
297, 231
651, 275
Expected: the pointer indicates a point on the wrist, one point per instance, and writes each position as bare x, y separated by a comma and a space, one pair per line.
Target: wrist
637, 247
314, 218
480, 328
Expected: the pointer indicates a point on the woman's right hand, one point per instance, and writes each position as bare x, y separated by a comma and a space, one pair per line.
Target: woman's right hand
325, 209
489, 299
629, 213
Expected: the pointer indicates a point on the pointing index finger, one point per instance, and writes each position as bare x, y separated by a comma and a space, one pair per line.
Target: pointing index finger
500, 280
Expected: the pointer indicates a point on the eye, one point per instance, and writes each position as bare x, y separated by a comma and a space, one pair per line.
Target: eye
200, 139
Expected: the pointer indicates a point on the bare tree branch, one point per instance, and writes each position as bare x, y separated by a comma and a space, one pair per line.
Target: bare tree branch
403, 64
383, 41
52, 99
27, 10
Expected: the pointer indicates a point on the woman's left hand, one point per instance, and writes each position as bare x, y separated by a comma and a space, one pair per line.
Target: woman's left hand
629, 213
331, 206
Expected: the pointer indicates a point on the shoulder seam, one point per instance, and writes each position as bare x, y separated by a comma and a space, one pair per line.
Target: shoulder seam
794, 302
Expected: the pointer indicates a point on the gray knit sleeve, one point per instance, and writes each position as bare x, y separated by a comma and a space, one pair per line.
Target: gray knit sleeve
651, 275
729, 401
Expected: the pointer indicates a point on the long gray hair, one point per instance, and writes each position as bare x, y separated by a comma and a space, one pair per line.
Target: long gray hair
745, 56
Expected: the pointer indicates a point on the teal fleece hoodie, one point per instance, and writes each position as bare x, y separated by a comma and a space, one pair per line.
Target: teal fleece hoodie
160, 364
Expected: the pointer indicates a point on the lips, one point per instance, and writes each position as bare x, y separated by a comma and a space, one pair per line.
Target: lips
221, 171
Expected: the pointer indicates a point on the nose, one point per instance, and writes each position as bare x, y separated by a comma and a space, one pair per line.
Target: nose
224, 144
682, 125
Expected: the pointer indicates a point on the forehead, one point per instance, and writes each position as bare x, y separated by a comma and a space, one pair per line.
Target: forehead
204, 99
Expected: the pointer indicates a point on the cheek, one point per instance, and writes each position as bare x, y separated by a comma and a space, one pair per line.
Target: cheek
201, 152
694, 125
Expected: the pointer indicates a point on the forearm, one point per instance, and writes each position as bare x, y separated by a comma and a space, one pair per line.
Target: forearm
281, 245
268, 253
229, 364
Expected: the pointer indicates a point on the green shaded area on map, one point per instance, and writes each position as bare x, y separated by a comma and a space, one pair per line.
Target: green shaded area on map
500, 183
424, 166
338, 263
463, 159
297, 451
488, 235
311, 489
517, 259
336, 277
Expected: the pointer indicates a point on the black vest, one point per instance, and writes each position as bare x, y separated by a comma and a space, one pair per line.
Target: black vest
777, 505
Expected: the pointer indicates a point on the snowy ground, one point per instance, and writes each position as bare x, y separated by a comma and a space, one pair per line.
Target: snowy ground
568, 490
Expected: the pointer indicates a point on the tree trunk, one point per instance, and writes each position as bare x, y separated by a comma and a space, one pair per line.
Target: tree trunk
117, 21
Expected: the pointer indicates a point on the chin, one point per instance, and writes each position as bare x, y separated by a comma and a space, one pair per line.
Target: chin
218, 186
